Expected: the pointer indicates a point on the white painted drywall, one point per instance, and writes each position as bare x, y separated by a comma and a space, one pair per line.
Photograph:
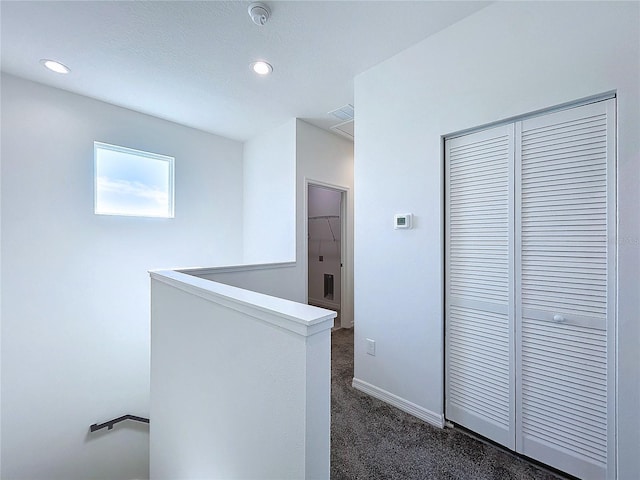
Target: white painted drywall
324, 239
0, 292
276, 279
75, 287
269, 169
510, 58
240, 383
325, 159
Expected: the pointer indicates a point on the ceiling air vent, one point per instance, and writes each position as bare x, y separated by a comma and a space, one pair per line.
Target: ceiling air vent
343, 113
344, 128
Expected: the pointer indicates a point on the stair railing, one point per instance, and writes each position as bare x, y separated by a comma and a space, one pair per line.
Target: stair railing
109, 425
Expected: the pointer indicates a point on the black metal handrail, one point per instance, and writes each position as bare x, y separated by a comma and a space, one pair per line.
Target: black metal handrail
109, 425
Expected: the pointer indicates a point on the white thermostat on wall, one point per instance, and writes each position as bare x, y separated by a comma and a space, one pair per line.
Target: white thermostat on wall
402, 220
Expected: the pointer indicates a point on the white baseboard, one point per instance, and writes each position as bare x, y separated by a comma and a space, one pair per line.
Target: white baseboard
433, 418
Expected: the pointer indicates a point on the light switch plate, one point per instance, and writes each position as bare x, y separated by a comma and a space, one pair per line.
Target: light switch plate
371, 347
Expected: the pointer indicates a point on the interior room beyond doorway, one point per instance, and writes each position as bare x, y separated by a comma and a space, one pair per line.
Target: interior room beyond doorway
324, 232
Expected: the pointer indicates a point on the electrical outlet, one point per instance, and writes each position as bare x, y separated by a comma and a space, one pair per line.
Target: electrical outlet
371, 347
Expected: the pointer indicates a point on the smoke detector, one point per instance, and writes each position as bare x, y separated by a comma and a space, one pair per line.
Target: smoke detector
259, 13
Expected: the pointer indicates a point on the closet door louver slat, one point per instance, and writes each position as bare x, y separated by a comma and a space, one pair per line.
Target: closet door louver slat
479, 283
563, 285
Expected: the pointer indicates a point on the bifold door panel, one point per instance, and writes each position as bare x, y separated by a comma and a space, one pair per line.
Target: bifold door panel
564, 278
480, 304
530, 287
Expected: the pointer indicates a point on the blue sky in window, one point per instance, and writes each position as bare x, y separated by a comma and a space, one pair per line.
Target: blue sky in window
131, 184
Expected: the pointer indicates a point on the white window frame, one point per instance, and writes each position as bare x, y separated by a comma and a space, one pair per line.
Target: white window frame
143, 154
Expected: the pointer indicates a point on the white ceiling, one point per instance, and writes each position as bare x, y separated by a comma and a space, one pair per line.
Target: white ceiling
188, 61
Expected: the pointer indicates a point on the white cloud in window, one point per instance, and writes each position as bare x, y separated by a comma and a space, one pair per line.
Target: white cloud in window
117, 195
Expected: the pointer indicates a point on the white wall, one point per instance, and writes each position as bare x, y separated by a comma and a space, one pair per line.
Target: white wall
325, 159
324, 240
75, 288
240, 383
269, 196
276, 279
0, 293
508, 59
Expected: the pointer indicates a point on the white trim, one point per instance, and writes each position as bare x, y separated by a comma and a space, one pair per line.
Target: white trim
197, 271
305, 320
432, 418
612, 290
536, 113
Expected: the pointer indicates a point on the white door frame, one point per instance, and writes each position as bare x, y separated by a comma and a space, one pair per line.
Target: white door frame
346, 296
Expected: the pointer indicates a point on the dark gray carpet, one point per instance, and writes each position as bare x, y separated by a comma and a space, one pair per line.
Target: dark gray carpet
373, 440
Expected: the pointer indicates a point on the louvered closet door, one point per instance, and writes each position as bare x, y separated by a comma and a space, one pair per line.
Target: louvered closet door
565, 289
479, 283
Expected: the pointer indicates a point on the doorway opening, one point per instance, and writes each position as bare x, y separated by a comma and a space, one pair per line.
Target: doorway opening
325, 245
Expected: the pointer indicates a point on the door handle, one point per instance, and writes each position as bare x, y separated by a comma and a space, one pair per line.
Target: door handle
559, 318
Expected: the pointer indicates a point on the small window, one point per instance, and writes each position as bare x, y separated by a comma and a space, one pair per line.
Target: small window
131, 182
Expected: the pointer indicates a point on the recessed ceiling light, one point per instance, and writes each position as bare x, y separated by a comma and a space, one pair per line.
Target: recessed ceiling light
55, 66
262, 68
